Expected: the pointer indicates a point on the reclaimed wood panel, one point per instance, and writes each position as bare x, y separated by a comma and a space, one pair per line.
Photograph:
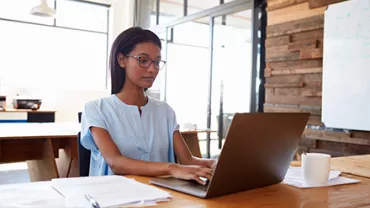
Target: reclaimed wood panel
302, 25
340, 147
311, 53
278, 4
270, 91
320, 3
316, 110
284, 85
298, 64
310, 35
275, 51
306, 92
317, 134
315, 120
305, 78
298, 46
330, 152
277, 41
288, 91
335, 137
316, 85
287, 56
360, 134
281, 53
293, 71
311, 94
293, 100
320, 43
268, 72
293, 28
308, 143
294, 12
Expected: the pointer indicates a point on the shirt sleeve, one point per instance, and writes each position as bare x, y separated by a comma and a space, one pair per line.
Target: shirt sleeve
172, 127
91, 117
171, 118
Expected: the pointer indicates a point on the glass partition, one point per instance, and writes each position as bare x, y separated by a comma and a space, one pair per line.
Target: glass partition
231, 71
188, 73
212, 51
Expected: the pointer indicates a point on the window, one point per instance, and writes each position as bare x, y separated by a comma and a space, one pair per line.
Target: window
188, 73
20, 10
48, 56
170, 10
82, 16
195, 6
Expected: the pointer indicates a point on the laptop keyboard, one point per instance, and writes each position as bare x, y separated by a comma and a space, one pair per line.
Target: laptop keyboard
197, 186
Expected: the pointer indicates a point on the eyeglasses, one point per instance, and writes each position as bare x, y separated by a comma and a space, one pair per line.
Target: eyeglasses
145, 62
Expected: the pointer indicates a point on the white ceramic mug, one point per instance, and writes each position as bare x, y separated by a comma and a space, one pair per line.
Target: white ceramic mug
190, 126
316, 168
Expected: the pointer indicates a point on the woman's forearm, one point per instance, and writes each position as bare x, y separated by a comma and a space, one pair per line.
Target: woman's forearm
121, 165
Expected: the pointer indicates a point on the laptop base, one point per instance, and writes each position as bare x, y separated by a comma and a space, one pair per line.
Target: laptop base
189, 187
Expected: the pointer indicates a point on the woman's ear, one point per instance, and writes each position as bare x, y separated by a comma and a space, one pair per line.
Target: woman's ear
121, 59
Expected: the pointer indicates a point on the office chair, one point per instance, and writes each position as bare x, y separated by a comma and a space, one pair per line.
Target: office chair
83, 154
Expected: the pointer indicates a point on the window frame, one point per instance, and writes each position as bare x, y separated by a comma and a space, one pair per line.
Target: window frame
54, 25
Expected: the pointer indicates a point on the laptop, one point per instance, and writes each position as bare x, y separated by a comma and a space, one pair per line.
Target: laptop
257, 152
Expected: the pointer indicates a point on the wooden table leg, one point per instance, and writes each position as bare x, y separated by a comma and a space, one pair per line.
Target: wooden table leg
191, 139
46, 168
67, 162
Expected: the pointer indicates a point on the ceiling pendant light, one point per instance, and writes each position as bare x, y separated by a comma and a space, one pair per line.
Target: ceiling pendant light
43, 10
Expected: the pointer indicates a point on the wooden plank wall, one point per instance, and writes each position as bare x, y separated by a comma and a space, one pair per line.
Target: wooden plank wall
294, 54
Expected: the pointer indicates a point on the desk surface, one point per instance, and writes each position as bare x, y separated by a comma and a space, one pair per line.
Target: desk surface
38, 130
29, 110
280, 195
195, 131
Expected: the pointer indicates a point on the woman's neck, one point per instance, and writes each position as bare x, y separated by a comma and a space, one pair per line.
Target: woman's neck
132, 95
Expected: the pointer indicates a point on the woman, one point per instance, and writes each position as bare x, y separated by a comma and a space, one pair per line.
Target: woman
130, 133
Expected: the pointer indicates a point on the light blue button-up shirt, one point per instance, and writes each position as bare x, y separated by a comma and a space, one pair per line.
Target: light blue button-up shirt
148, 136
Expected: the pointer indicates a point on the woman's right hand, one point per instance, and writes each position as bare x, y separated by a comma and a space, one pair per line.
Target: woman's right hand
190, 172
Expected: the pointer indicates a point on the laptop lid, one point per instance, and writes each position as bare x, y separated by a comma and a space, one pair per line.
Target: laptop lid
257, 152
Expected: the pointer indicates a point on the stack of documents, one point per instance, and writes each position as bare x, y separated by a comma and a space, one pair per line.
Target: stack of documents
295, 178
108, 191
30, 195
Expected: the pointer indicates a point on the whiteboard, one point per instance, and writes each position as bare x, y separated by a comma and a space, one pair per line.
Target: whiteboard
346, 66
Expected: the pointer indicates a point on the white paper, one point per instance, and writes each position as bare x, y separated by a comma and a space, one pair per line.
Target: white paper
108, 191
30, 195
295, 178
296, 173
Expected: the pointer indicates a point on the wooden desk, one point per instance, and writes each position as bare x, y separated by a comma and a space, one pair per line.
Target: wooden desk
280, 195
50, 149
11, 115
192, 140
41, 110
284, 196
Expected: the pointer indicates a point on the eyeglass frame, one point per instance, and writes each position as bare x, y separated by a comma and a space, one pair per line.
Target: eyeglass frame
151, 61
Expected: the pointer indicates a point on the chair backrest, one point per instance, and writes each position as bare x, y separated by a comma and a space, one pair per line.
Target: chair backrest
83, 154
79, 117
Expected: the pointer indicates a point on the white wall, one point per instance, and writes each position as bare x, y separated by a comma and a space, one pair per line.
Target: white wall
68, 103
